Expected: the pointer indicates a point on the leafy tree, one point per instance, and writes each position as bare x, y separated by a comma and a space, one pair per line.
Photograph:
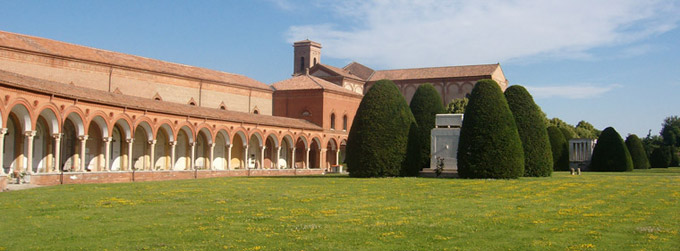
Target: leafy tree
637, 152
661, 157
670, 131
674, 156
651, 142
568, 130
559, 148
377, 142
457, 105
534, 136
586, 130
425, 106
610, 153
489, 145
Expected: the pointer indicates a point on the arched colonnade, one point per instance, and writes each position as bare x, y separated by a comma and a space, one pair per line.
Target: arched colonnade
45, 138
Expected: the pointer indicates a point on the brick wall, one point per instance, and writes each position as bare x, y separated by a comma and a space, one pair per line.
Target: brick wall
52, 179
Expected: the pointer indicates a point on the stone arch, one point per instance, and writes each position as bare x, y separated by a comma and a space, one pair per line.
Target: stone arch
73, 132
163, 149
202, 148
185, 137
22, 110
121, 132
97, 130
315, 153
301, 146
51, 115
332, 152
141, 151
238, 150
270, 152
286, 154
13, 156
255, 154
221, 149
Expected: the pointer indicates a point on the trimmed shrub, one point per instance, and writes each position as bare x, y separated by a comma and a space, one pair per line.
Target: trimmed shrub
537, 154
489, 145
559, 148
377, 142
568, 133
637, 152
660, 157
610, 153
425, 106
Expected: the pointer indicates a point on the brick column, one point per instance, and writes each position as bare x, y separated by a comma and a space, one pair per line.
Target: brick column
107, 153
228, 157
152, 145
322, 159
57, 152
2, 147
129, 157
172, 154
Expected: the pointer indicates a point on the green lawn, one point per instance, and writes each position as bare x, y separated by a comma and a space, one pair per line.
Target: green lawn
600, 211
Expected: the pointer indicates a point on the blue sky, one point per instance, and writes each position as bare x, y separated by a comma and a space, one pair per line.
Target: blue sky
611, 63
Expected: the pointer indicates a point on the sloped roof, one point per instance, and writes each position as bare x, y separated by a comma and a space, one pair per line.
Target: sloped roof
309, 82
62, 49
359, 70
436, 72
336, 70
102, 97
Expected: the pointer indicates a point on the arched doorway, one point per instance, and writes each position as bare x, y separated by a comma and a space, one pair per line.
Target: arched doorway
286, 155
270, 152
202, 148
119, 135
73, 130
331, 153
141, 159
220, 154
163, 149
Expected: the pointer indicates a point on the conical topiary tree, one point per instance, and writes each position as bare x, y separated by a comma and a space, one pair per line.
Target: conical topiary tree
425, 106
489, 144
530, 125
376, 145
610, 153
637, 152
559, 149
660, 157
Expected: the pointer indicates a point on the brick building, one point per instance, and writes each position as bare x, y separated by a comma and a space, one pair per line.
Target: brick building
99, 115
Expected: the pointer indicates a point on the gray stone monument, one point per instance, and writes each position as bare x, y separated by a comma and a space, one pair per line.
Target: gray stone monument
444, 144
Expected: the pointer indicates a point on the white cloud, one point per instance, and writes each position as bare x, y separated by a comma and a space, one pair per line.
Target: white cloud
570, 91
400, 33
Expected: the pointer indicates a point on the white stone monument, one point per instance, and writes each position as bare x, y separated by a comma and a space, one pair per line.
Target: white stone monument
580, 153
444, 142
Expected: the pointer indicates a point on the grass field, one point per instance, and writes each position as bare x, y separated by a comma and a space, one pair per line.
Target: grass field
595, 211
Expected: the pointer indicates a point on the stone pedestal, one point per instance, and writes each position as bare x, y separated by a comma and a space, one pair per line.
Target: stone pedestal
444, 141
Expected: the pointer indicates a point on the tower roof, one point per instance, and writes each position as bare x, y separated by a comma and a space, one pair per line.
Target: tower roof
306, 42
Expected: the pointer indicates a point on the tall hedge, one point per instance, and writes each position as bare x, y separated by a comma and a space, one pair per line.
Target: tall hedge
489, 145
660, 157
559, 148
675, 160
425, 106
537, 154
610, 153
637, 152
376, 145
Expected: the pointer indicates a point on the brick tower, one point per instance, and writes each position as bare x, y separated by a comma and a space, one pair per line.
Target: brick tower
307, 54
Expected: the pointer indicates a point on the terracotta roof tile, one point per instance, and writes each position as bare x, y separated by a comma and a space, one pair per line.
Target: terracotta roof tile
336, 70
102, 97
359, 70
307, 82
435, 72
62, 49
